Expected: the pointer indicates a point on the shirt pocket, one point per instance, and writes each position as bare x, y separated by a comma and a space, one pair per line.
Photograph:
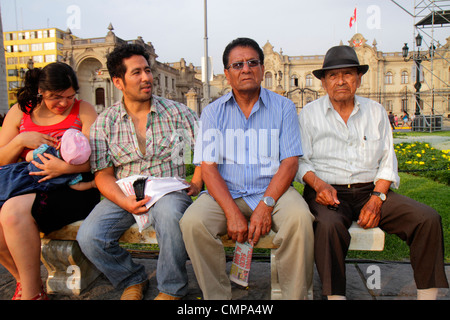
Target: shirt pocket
123, 153
164, 148
372, 148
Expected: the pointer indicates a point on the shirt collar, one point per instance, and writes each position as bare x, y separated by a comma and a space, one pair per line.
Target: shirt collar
329, 106
156, 107
263, 97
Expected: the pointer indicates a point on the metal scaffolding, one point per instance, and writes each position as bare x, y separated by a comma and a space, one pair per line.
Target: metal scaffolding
428, 16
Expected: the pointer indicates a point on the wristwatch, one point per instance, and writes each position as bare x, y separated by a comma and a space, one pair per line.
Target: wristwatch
269, 201
380, 195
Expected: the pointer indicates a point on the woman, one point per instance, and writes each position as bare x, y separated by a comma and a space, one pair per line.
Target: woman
405, 119
46, 108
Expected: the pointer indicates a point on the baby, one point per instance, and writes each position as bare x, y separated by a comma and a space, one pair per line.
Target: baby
74, 149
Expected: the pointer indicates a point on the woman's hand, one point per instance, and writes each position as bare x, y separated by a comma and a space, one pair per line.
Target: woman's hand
51, 167
32, 140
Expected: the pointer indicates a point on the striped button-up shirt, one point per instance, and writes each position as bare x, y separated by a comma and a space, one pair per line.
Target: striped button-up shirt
248, 152
357, 152
169, 140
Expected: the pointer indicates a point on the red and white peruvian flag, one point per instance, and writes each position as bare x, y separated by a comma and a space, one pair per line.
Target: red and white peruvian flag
353, 18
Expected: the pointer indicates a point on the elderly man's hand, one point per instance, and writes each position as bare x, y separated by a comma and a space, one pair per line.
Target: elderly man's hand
370, 213
325, 194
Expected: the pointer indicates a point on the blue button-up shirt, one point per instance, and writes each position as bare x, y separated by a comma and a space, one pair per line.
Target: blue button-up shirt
248, 152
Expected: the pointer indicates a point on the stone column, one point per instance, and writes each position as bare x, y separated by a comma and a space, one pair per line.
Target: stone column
191, 100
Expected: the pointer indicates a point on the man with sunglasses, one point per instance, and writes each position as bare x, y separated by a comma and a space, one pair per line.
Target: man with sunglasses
348, 167
248, 147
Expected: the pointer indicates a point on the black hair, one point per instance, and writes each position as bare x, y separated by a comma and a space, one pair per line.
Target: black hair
242, 42
114, 60
55, 77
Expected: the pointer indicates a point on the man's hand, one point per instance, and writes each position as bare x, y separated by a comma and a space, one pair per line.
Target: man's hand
260, 223
136, 207
105, 180
194, 189
370, 213
196, 183
237, 226
325, 194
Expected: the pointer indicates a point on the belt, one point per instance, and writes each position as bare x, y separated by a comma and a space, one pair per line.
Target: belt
354, 185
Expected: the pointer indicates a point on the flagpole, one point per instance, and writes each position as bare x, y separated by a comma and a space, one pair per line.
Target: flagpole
207, 92
356, 18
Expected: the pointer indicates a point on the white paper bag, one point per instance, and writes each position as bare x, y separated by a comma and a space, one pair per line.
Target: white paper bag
155, 188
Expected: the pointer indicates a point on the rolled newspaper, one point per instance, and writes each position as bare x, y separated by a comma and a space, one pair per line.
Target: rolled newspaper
240, 267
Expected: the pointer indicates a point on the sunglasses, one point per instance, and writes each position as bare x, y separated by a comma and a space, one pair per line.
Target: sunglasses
240, 65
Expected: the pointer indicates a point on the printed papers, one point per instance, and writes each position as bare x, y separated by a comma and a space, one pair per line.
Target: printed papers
155, 188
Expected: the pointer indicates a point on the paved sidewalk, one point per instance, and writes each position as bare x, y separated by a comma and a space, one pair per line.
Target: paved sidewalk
438, 142
391, 281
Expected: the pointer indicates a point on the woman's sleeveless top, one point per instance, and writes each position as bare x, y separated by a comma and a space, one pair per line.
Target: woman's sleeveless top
72, 121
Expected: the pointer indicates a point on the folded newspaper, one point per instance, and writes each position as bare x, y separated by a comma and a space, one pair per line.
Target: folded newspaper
240, 267
155, 188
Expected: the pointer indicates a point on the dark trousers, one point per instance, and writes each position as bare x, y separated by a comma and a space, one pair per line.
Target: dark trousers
417, 224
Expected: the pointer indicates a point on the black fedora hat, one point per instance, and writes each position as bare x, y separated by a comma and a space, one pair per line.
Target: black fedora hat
340, 57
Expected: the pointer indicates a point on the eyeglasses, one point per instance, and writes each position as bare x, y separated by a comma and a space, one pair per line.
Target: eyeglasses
240, 65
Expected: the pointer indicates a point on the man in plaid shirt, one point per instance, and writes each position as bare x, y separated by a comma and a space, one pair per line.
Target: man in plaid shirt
140, 135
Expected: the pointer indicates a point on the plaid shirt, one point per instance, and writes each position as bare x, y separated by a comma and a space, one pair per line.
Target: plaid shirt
170, 139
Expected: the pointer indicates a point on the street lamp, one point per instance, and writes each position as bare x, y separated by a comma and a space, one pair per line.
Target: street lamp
418, 58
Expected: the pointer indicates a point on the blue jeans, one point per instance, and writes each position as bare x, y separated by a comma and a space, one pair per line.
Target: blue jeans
99, 234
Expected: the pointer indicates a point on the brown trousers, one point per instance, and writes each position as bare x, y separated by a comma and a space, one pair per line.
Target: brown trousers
417, 224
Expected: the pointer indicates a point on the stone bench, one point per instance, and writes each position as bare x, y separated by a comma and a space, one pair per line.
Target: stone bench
70, 272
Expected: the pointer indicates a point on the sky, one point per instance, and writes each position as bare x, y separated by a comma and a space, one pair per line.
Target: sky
176, 28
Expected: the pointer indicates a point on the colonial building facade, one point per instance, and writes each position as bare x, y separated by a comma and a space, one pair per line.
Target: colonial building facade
88, 58
390, 79
37, 48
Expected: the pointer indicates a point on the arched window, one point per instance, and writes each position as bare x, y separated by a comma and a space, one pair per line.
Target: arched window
294, 81
308, 80
100, 97
388, 78
405, 77
268, 80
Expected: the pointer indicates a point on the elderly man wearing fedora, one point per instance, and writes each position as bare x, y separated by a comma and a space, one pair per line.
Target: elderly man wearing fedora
348, 168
